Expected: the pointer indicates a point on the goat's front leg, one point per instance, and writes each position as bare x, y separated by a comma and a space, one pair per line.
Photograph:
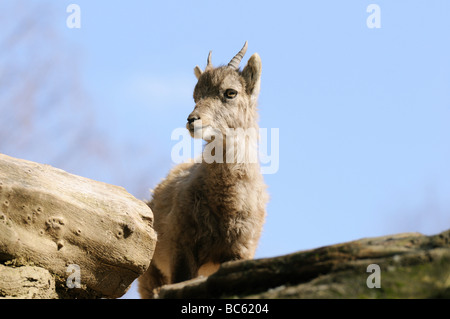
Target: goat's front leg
151, 281
184, 266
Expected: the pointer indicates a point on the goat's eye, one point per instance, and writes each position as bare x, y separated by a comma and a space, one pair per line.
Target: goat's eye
230, 93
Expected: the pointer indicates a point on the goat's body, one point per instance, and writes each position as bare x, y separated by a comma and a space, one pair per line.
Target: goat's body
207, 213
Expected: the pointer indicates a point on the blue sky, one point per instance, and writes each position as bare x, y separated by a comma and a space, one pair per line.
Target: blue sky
363, 114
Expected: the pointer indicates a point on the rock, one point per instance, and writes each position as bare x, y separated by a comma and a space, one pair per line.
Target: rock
54, 220
26, 282
410, 266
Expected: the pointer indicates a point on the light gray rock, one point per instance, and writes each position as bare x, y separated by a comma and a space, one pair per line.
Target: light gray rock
26, 282
53, 219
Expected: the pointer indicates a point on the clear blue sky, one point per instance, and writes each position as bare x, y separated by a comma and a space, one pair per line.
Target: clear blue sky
363, 114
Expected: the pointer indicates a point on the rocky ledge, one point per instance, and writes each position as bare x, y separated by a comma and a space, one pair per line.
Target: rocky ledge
407, 265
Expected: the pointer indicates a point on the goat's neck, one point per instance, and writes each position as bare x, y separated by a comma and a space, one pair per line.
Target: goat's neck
227, 184
234, 157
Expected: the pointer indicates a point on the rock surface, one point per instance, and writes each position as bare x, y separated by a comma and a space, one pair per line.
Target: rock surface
410, 266
50, 220
26, 282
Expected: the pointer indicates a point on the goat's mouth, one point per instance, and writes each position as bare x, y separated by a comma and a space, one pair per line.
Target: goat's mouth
200, 131
193, 127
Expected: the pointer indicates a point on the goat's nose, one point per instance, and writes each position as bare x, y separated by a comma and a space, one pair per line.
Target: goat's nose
193, 118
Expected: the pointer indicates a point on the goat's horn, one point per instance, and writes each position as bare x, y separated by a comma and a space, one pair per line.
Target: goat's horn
209, 64
234, 63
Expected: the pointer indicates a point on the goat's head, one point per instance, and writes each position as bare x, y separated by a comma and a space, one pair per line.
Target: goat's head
225, 97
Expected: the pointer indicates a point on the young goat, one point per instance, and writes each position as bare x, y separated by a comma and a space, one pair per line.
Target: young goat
208, 212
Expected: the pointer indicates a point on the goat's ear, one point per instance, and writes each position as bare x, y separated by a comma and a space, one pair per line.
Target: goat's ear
252, 75
197, 71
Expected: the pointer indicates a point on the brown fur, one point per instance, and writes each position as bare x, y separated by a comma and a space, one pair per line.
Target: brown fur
206, 214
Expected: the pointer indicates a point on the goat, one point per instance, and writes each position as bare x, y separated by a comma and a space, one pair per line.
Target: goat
207, 212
